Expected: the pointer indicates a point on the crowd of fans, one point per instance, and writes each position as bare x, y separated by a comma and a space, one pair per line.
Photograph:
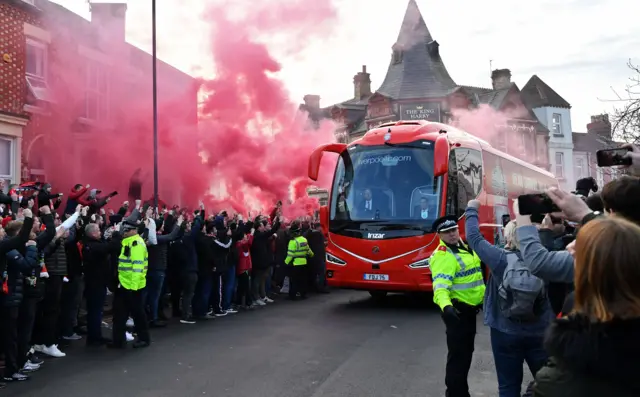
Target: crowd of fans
58, 268
563, 295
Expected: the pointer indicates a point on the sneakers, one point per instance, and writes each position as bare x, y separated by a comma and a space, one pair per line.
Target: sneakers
73, 336
259, 302
220, 313
189, 320
51, 351
130, 323
33, 359
17, 377
205, 317
28, 368
268, 300
231, 311
129, 336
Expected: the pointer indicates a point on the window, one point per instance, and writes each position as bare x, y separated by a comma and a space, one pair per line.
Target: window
397, 56
600, 176
6, 158
578, 169
556, 124
465, 179
36, 69
96, 92
559, 165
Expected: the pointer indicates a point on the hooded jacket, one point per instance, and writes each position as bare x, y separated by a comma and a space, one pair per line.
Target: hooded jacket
591, 359
19, 266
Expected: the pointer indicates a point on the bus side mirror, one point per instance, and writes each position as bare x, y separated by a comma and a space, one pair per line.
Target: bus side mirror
324, 219
441, 156
316, 157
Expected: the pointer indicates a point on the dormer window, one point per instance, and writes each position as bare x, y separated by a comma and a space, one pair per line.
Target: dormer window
397, 54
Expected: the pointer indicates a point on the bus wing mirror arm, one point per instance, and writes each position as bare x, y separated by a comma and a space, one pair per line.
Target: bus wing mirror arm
441, 156
316, 157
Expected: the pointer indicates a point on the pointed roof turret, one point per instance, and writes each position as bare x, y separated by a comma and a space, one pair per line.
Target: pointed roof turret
416, 69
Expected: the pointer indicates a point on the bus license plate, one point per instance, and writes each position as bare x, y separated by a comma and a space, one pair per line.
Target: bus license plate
376, 277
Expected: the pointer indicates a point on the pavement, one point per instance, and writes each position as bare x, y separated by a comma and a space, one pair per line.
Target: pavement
343, 344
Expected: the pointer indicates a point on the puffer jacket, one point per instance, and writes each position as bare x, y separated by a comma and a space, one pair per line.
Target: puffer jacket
19, 266
591, 359
55, 258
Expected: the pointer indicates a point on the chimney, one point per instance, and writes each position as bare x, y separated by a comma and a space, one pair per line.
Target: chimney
362, 84
110, 18
312, 101
501, 79
601, 126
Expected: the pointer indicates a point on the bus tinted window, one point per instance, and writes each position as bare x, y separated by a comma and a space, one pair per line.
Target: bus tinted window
386, 183
465, 179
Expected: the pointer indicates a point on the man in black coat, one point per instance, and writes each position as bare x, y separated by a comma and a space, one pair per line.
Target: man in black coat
317, 243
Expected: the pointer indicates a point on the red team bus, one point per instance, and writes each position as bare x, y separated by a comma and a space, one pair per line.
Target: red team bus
389, 187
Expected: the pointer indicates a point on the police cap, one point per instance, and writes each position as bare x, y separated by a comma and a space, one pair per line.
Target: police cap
445, 223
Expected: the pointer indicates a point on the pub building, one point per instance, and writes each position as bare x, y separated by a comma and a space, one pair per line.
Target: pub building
418, 86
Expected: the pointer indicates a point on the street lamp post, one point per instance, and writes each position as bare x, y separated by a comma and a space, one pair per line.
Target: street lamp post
155, 103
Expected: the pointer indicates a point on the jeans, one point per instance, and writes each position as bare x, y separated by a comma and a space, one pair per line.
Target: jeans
268, 281
509, 353
96, 295
202, 295
258, 283
229, 287
48, 312
70, 304
189, 282
155, 281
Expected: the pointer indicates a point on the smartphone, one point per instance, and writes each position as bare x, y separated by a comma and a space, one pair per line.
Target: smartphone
535, 204
113, 194
612, 157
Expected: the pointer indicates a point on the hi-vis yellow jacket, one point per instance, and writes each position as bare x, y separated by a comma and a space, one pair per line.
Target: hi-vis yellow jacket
456, 275
298, 250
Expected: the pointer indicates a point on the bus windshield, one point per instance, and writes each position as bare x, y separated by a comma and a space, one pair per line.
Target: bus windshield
390, 185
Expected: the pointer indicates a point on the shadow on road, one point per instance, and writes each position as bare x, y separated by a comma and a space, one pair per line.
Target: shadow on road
391, 303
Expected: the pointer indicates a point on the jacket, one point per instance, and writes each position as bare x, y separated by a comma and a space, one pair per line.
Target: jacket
158, 253
15, 242
244, 253
221, 250
19, 266
204, 252
72, 200
185, 248
591, 359
261, 254
55, 254
97, 257
43, 239
496, 259
548, 265
317, 245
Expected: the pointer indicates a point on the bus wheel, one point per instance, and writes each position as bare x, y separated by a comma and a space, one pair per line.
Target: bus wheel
378, 295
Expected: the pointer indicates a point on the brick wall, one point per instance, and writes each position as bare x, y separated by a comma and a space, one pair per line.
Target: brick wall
12, 47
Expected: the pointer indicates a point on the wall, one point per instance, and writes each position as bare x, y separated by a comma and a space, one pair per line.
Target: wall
559, 143
15, 24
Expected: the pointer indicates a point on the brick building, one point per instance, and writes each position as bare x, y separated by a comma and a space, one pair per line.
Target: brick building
94, 73
418, 86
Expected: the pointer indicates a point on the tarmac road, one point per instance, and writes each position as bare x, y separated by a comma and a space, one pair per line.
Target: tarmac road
342, 344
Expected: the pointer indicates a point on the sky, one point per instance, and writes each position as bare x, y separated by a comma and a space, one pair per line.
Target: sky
578, 47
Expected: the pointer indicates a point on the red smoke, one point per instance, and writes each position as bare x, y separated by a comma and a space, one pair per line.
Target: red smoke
250, 147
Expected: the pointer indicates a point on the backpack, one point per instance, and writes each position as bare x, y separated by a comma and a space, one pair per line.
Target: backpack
521, 294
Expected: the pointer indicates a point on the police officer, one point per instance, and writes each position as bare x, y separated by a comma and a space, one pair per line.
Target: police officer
458, 289
297, 252
129, 295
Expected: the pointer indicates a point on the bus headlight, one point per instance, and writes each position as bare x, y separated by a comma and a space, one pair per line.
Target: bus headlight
335, 260
423, 264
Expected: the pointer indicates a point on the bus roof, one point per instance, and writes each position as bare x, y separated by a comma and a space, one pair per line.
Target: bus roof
411, 130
